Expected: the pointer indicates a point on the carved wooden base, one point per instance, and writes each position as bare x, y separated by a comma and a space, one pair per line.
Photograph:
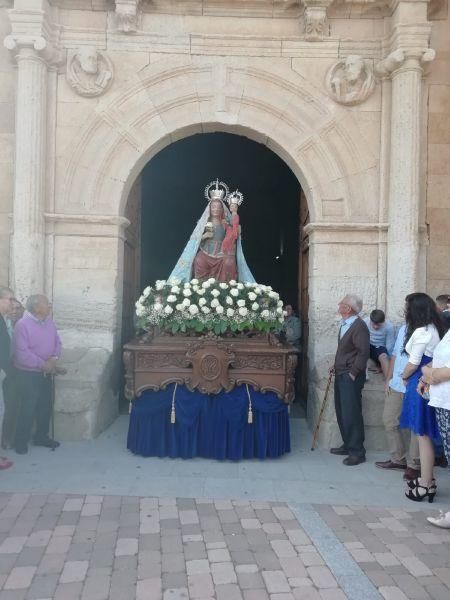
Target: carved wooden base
210, 364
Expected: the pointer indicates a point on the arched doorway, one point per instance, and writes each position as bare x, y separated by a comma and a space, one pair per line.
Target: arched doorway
167, 199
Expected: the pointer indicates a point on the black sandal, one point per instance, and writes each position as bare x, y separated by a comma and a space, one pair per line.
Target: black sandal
416, 495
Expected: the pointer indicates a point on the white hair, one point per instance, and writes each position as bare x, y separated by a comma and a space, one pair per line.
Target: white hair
355, 302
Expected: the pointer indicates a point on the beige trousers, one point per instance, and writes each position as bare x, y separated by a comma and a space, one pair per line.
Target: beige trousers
399, 439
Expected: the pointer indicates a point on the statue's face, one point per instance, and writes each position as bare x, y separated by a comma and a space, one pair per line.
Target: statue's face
354, 66
88, 60
216, 209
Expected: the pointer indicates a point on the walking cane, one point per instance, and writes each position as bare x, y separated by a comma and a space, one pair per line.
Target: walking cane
322, 410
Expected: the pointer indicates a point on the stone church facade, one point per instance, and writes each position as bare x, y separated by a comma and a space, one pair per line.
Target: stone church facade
354, 95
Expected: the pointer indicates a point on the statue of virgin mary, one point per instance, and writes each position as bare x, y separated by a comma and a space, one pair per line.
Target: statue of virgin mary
214, 248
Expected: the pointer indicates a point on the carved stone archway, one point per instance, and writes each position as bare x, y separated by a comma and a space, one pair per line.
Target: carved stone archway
166, 101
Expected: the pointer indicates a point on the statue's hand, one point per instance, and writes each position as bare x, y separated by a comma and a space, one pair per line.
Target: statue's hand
207, 235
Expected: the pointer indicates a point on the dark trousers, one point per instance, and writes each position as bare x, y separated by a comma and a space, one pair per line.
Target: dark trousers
34, 391
11, 401
348, 405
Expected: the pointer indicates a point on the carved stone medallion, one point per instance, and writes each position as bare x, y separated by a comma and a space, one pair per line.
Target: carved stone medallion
89, 72
350, 81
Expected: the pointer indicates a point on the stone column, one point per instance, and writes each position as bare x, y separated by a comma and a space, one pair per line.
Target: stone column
33, 53
404, 179
30, 165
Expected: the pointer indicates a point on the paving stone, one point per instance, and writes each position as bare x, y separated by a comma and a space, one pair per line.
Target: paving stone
228, 592
29, 557
293, 566
251, 524
332, 595
240, 557
255, 595
306, 593
197, 567
296, 582
200, 585
172, 563
250, 581
392, 593
74, 571
43, 586
176, 594
19, 578
283, 548
174, 580
322, 577
282, 597
223, 573
220, 555
126, 547
415, 566
149, 588
13, 544
267, 560
276, 582
310, 559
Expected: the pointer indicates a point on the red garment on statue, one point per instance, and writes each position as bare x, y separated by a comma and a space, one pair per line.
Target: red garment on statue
231, 235
222, 268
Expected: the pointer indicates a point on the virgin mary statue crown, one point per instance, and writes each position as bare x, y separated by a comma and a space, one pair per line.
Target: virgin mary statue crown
216, 190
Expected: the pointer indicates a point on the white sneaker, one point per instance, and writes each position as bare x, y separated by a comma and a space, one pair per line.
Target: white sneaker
443, 520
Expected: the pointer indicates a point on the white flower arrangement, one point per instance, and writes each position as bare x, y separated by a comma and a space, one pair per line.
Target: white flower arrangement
199, 307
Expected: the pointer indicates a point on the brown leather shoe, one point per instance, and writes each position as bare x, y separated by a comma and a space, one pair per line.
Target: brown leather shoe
341, 451
352, 461
389, 464
411, 474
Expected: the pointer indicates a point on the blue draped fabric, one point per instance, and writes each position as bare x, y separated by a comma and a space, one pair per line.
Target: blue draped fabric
209, 426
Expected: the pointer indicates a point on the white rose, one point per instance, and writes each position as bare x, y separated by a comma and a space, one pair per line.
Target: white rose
230, 312
215, 293
281, 320
159, 284
269, 288
205, 310
265, 314
252, 295
193, 309
223, 285
202, 301
179, 307
206, 285
229, 300
171, 298
168, 310
232, 282
257, 290
195, 288
234, 292
174, 281
200, 291
273, 295
138, 304
255, 306
211, 280
240, 286
187, 284
194, 281
146, 292
280, 303
158, 307
175, 289
187, 292
279, 311
243, 311
186, 302
215, 303
219, 309
241, 302
140, 311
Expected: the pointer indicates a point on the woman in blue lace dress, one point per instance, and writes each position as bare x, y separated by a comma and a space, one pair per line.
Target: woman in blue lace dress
424, 329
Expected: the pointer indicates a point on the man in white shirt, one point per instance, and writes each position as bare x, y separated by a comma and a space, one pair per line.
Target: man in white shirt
397, 439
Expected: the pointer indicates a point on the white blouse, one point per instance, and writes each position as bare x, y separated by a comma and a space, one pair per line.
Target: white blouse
422, 342
440, 392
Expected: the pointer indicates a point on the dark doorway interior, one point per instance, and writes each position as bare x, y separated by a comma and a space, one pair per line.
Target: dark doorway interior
173, 185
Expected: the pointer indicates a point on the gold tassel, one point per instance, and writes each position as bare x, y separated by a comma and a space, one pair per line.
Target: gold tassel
129, 407
250, 411
172, 412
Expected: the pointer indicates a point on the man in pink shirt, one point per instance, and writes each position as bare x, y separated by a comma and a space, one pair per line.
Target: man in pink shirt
36, 349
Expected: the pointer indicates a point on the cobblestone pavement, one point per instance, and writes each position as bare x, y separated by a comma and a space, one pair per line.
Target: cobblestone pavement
68, 547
